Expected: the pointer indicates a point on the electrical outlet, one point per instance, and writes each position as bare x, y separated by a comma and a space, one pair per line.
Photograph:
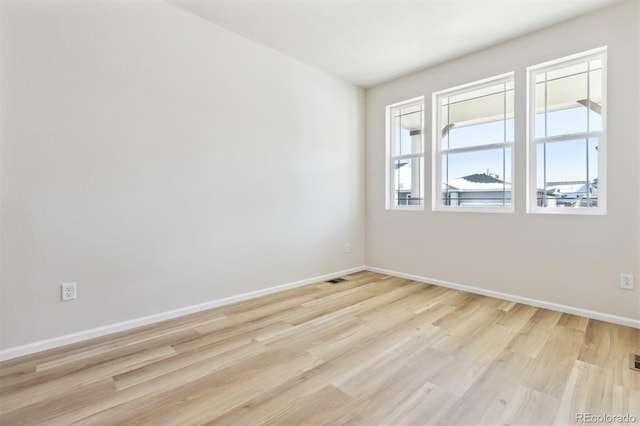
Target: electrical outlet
626, 281
347, 248
68, 291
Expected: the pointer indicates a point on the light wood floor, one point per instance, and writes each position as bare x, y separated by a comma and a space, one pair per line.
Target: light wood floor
371, 350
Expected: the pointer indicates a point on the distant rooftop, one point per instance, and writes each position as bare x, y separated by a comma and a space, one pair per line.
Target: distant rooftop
478, 182
482, 178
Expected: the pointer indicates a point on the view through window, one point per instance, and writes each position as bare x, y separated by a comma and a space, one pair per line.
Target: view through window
474, 137
405, 144
566, 119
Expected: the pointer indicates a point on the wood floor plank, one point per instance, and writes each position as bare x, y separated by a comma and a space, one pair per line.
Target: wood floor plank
397, 393
592, 389
608, 345
200, 400
313, 409
535, 332
43, 389
371, 350
516, 317
575, 322
275, 402
58, 404
473, 357
223, 355
552, 367
375, 374
525, 406
491, 397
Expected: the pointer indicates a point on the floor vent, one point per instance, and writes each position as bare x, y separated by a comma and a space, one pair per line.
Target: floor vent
634, 362
336, 280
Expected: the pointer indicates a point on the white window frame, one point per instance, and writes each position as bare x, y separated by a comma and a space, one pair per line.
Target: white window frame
438, 152
532, 141
390, 158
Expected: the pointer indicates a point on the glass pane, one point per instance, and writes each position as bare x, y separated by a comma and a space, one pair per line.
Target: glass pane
595, 95
540, 101
445, 126
477, 134
567, 121
477, 121
479, 117
408, 189
477, 178
407, 129
569, 99
592, 170
567, 173
595, 86
541, 197
565, 114
567, 71
477, 108
509, 135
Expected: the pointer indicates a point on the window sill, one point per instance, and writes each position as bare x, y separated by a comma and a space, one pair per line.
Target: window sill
406, 209
564, 211
444, 209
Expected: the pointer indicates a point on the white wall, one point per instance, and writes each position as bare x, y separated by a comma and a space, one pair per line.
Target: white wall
160, 161
569, 260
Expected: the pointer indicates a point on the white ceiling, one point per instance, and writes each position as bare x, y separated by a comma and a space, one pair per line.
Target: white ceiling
367, 42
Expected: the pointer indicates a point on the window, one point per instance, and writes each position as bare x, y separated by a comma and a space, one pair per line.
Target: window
566, 135
473, 146
405, 155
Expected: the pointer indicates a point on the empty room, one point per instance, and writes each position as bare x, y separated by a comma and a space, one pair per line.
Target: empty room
286, 212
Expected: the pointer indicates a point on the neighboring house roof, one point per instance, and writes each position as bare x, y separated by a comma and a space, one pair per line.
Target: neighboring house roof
566, 182
567, 189
563, 189
570, 189
477, 182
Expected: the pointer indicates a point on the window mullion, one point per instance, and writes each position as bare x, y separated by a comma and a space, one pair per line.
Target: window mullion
486, 147
407, 156
568, 137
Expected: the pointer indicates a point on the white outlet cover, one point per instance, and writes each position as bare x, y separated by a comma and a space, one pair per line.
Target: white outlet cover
626, 282
68, 291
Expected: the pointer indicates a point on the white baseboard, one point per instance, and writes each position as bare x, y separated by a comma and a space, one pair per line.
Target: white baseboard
80, 336
629, 322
